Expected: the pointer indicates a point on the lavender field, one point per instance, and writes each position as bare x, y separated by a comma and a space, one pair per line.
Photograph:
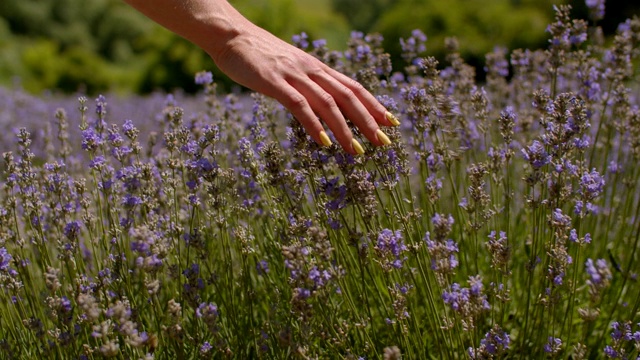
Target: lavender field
502, 221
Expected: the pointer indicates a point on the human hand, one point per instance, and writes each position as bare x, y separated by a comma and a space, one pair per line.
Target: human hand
305, 86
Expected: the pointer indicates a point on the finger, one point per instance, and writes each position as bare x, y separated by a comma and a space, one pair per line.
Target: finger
379, 113
299, 107
353, 108
325, 106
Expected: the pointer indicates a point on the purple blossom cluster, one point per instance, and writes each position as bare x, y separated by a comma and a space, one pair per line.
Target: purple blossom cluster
469, 303
625, 341
494, 344
391, 247
442, 250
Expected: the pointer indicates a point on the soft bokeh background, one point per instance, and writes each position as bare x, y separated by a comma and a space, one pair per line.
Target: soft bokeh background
104, 45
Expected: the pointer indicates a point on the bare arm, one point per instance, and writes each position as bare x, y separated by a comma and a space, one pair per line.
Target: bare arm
260, 61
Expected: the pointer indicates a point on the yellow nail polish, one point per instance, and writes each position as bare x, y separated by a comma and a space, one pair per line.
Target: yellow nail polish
392, 118
324, 138
383, 137
357, 147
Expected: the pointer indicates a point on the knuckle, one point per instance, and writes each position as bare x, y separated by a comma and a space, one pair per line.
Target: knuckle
355, 86
327, 100
295, 102
348, 95
315, 71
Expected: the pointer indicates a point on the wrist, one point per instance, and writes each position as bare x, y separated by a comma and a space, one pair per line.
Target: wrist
218, 28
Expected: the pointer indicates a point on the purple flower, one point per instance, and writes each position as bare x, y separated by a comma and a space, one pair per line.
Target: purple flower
302, 293
97, 162
301, 40
596, 8
72, 229
573, 235
207, 310
493, 344
595, 275
5, 259
90, 140
128, 126
101, 106
121, 152
114, 138
433, 182
499, 64
611, 352
536, 155
560, 219
362, 52
319, 277
262, 267
387, 101
131, 201
204, 78
619, 330
591, 184
414, 45
442, 224
65, 304
391, 243
205, 348
582, 143
553, 345
319, 43
336, 192
456, 297
476, 285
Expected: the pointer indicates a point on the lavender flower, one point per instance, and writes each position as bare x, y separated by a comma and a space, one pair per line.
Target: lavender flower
5, 259
207, 311
596, 9
536, 155
205, 348
494, 344
91, 140
72, 229
611, 353
301, 40
391, 247
469, 303
499, 249
553, 345
204, 78
414, 45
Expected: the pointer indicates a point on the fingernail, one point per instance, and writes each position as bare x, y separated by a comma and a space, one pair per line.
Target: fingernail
357, 147
324, 138
383, 137
392, 118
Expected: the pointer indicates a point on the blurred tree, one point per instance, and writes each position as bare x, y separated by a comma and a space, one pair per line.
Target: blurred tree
479, 26
363, 17
71, 44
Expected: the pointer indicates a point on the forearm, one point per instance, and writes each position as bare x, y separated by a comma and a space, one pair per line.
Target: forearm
210, 24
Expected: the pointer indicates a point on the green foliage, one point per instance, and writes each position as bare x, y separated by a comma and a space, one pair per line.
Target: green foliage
69, 45
361, 17
478, 25
285, 18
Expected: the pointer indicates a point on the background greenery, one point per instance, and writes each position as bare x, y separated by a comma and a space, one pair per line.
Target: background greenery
102, 45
